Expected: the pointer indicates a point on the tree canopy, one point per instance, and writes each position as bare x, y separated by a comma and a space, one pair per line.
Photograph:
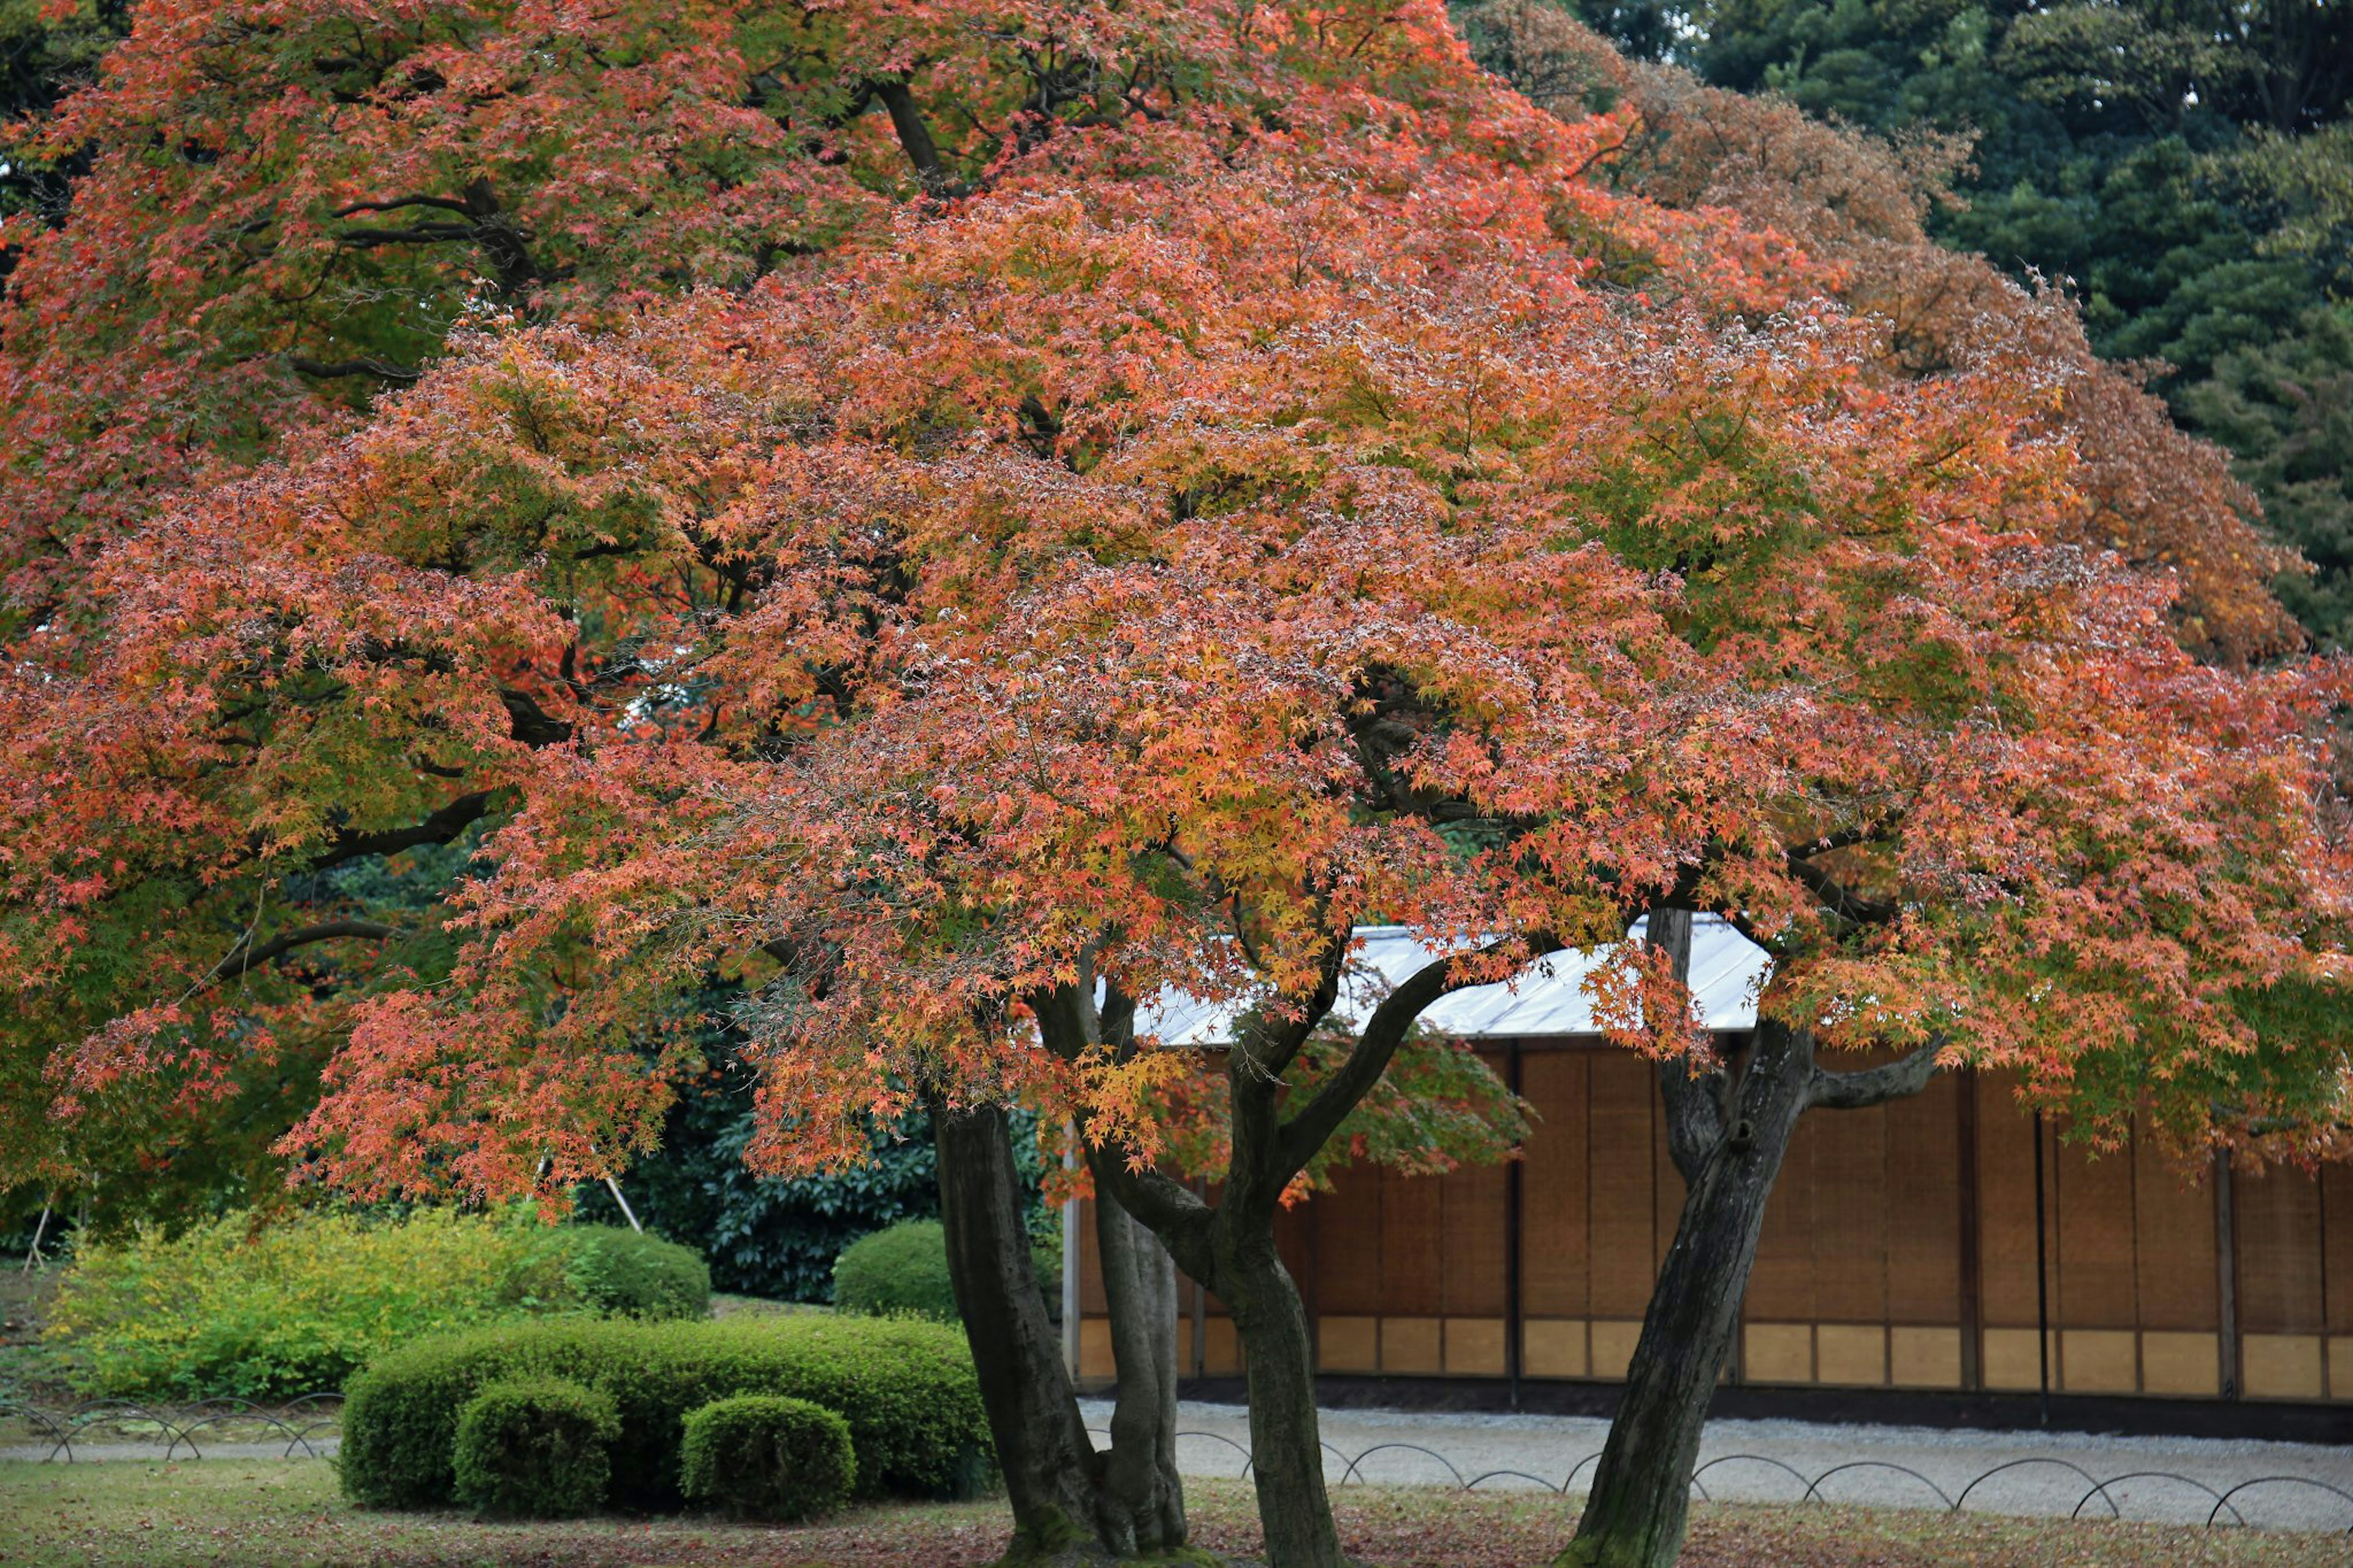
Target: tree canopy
1339, 489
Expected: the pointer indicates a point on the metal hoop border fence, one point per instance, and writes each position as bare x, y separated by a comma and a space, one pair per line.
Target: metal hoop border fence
1811, 1490
298, 1420
177, 1424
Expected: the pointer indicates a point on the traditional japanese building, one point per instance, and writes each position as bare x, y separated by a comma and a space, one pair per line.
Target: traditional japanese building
1950, 1242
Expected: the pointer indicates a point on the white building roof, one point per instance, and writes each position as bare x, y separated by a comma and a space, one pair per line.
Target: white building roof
1548, 998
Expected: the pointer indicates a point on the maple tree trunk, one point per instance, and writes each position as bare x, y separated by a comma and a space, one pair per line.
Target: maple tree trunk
1139, 1281
1070, 1504
1640, 1506
1286, 1442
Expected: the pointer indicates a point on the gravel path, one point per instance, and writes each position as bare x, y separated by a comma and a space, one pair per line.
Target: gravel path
2049, 1474
2279, 1486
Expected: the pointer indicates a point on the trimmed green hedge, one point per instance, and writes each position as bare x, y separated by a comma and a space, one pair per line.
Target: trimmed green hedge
900, 1270
905, 1388
904, 1269
761, 1456
241, 1306
535, 1449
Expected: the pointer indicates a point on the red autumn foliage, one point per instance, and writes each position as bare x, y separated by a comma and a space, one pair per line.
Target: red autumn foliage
1277, 483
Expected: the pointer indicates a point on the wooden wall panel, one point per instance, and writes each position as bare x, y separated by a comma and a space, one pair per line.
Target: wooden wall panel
1781, 1286
1348, 1277
2277, 1223
1294, 1243
1556, 1254
2337, 1266
2093, 1281
1850, 1215
1090, 1290
1623, 1185
1472, 1205
2005, 1205
1923, 1183
2173, 1250
1412, 1262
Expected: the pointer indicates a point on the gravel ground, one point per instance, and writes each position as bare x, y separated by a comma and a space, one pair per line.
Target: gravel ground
2049, 1474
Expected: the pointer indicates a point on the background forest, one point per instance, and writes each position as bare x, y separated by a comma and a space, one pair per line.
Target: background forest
2186, 169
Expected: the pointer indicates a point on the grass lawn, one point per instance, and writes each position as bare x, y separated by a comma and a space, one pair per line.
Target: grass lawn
282, 1514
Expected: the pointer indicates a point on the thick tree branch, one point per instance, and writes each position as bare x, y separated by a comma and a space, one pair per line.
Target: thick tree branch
914, 137
441, 827
1694, 1104
1839, 899
415, 233
1070, 1024
528, 722
243, 958
447, 204
1874, 1086
486, 224
1694, 1101
1303, 1134
330, 370
1269, 1043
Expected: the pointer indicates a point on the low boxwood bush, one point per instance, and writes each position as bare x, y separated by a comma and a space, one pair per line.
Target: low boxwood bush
238, 1306
903, 1271
535, 1449
906, 1389
763, 1455
621, 1274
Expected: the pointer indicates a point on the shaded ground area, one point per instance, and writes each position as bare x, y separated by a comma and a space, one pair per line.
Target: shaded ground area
260, 1514
2171, 1480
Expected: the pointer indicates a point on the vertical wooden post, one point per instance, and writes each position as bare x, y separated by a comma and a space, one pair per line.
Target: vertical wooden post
1972, 1261
1200, 1310
1073, 1256
1512, 1211
2226, 1275
2042, 1279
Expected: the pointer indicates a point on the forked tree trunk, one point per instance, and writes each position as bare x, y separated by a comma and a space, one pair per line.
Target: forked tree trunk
1070, 1505
1139, 1281
1229, 1245
1639, 1508
1728, 1136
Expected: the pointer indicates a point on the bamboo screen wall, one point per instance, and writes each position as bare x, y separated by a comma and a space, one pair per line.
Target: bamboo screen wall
1900, 1251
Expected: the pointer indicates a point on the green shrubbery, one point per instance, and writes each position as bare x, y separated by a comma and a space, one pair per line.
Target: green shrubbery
621, 1274
766, 1457
898, 1272
903, 1271
905, 1389
231, 1308
535, 1449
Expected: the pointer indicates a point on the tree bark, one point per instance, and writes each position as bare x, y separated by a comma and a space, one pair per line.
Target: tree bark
1286, 1440
1637, 1512
1070, 1504
1140, 1295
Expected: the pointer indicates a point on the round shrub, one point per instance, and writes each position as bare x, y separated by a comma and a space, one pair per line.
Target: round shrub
619, 1273
535, 1449
902, 1271
763, 1455
906, 1389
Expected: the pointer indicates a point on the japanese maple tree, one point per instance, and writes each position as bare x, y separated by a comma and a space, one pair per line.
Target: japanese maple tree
1267, 496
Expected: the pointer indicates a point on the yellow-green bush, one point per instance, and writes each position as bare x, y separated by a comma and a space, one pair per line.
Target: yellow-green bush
233, 1307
